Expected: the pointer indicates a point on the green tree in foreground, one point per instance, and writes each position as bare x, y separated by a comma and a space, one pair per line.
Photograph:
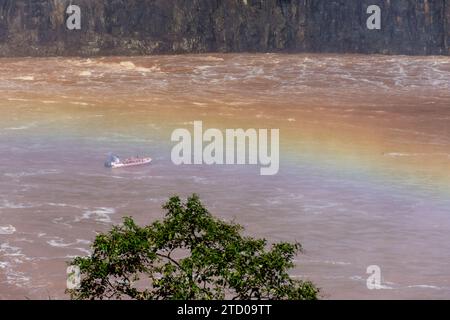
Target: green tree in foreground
189, 255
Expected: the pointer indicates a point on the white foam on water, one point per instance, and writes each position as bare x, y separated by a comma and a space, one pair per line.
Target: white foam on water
18, 99
98, 214
5, 204
237, 104
25, 78
129, 66
17, 278
332, 262
402, 154
7, 250
85, 73
117, 177
18, 128
338, 263
397, 154
201, 180
212, 58
425, 286
40, 172
202, 68
77, 103
10, 257
84, 250
9, 229
156, 200
320, 207
61, 221
272, 202
65, 205
59, 243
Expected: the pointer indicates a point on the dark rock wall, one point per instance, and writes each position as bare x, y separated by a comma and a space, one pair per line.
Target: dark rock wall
38, 27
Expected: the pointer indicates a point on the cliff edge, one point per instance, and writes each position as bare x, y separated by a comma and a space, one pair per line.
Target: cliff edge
133, 27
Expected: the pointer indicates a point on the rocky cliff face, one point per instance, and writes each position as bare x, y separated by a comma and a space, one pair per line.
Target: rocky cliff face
38, 27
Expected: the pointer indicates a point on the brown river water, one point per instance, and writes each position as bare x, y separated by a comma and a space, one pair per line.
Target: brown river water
364, 161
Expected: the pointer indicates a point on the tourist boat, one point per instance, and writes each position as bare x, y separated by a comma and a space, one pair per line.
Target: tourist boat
115, 162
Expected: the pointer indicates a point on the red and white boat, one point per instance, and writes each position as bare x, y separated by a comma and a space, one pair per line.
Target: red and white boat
114, 162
